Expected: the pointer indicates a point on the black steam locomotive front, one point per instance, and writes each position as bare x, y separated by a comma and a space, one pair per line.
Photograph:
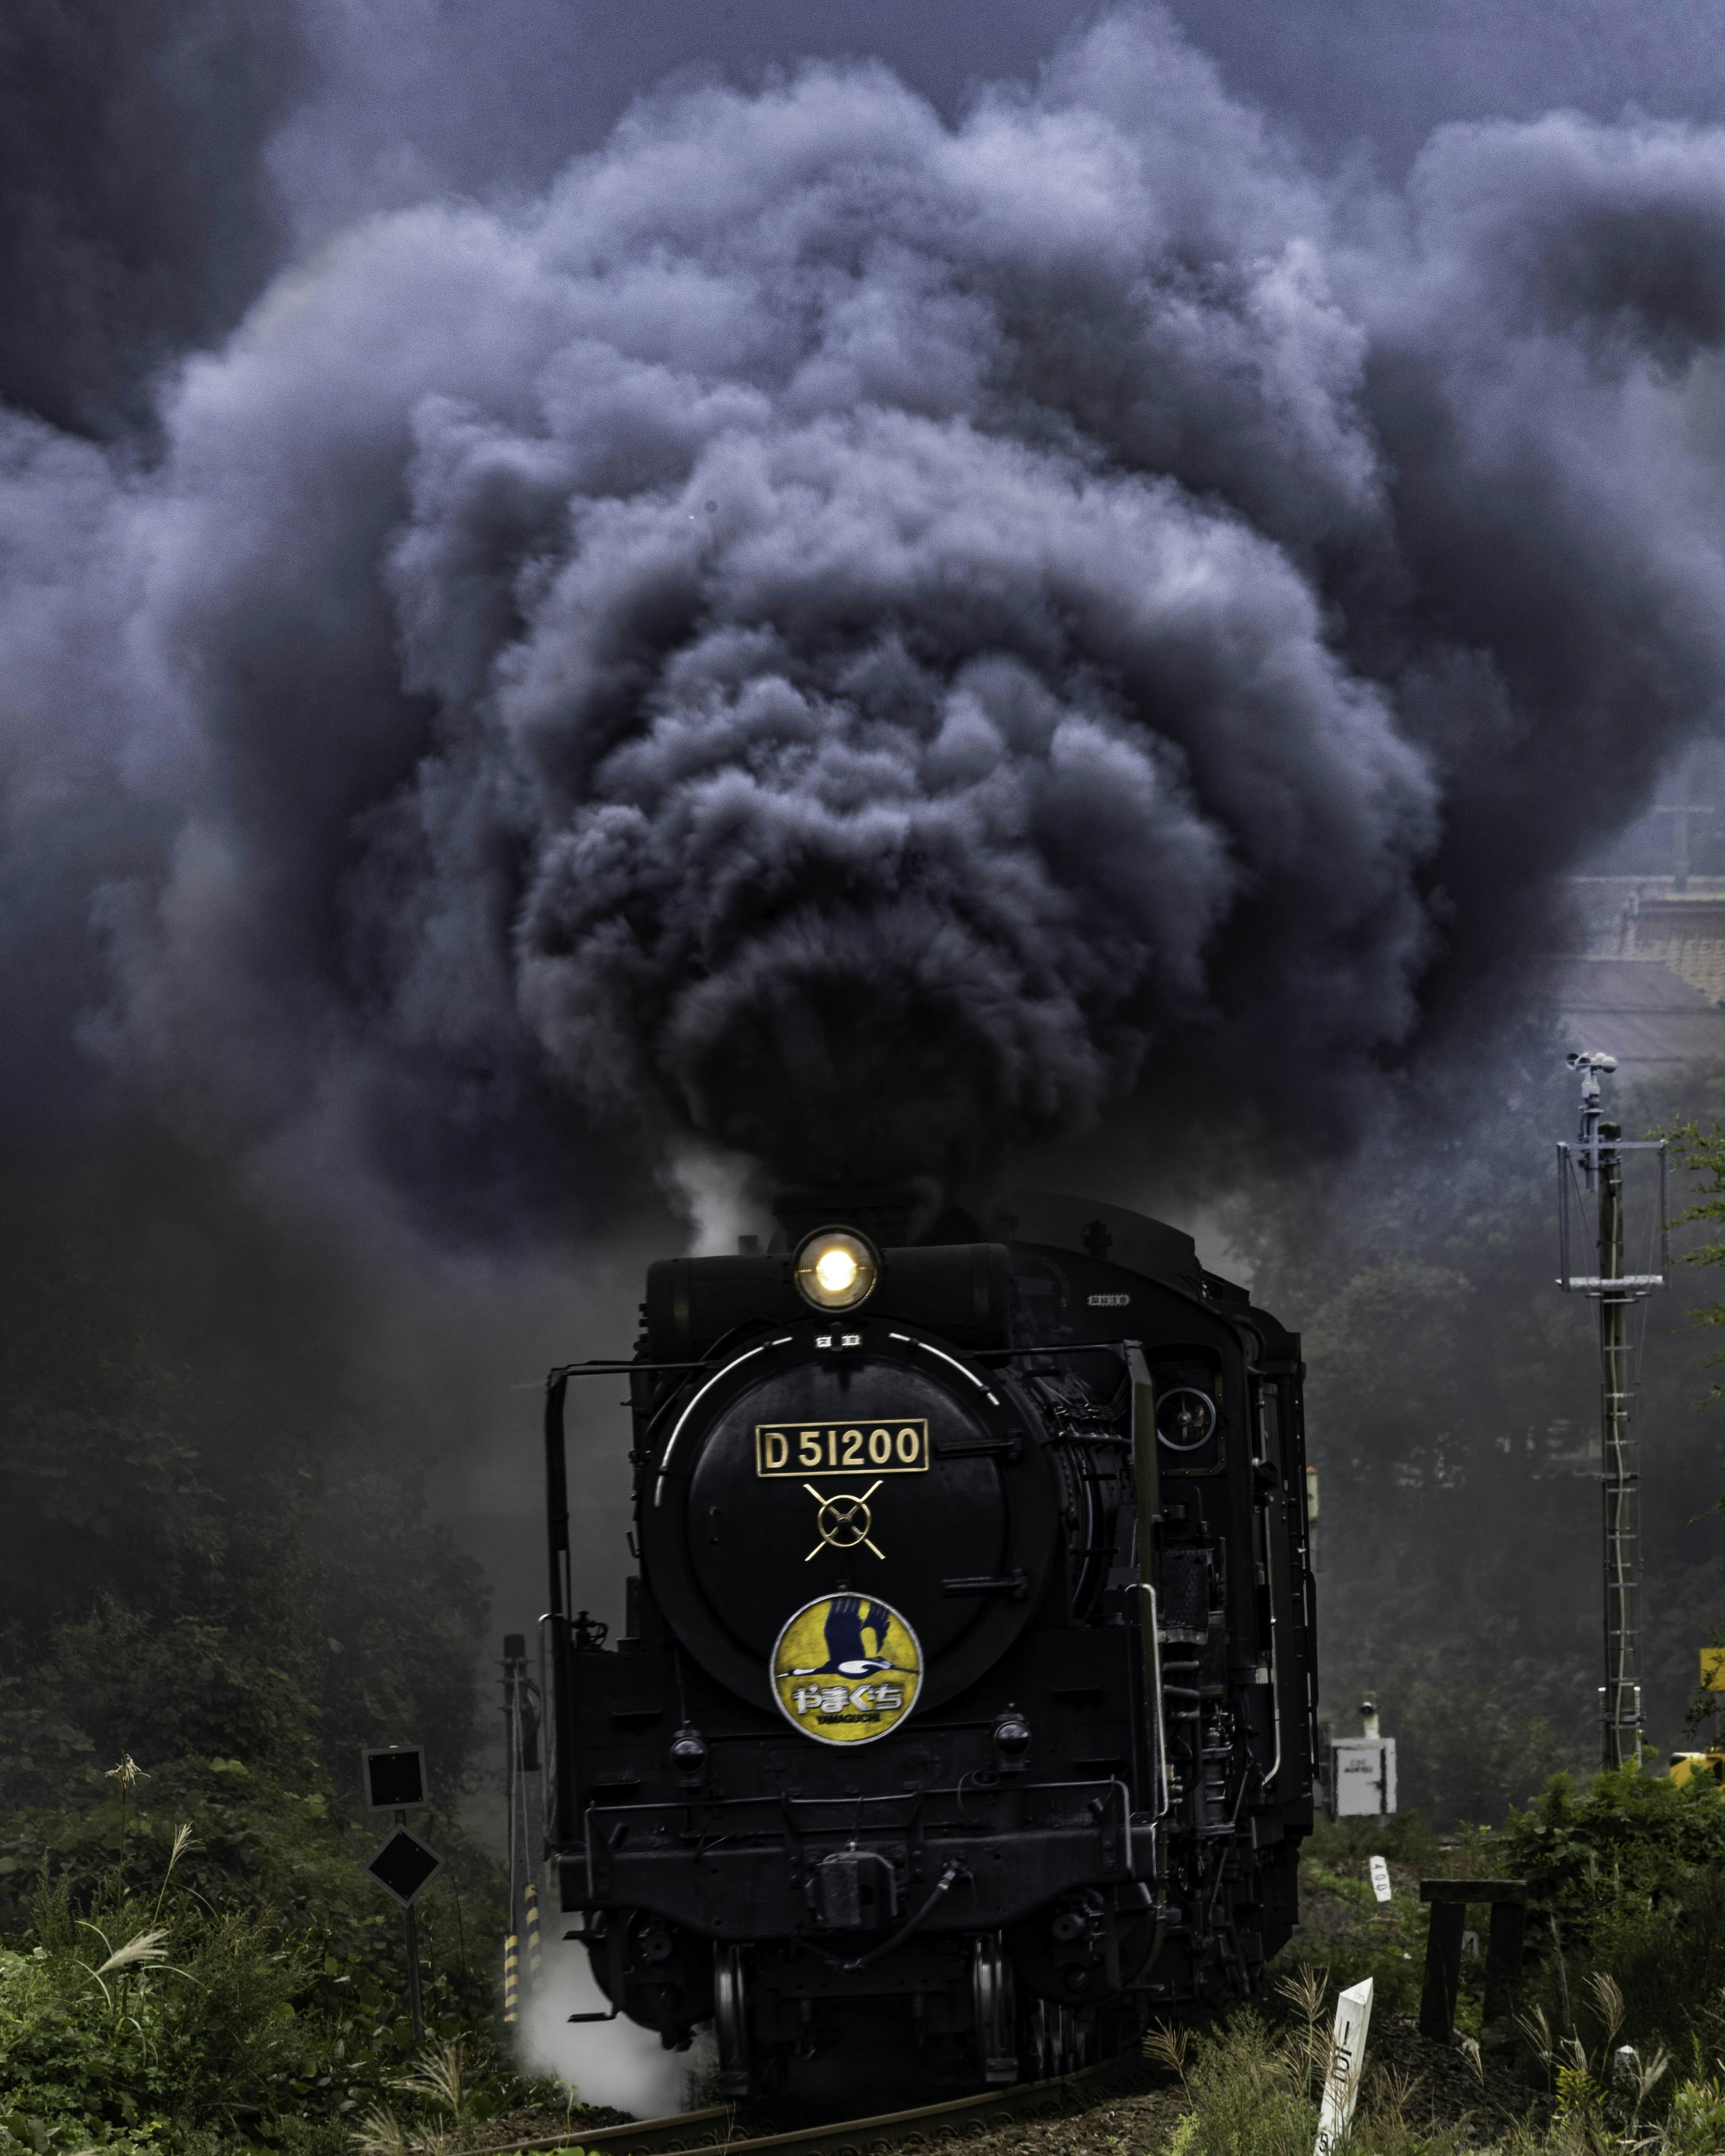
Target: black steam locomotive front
966, 1696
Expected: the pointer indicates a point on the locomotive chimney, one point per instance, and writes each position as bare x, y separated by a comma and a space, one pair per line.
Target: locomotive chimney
887, 1213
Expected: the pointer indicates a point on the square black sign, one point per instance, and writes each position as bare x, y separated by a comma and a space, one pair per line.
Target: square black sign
395, 1778
403, 1867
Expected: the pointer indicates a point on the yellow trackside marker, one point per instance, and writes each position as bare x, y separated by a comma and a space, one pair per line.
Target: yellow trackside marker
530, 1895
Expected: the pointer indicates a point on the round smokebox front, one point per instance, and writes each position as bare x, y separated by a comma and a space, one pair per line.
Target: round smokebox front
866, 1482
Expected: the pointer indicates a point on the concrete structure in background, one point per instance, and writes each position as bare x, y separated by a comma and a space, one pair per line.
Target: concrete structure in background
1649, 985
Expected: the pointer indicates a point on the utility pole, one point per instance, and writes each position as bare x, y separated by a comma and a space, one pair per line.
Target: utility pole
1599, 1154
1620, 1448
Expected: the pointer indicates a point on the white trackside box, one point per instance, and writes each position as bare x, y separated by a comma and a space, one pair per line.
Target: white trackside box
1362, 1777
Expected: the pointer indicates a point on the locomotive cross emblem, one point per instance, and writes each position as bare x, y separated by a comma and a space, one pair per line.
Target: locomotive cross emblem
844, 1521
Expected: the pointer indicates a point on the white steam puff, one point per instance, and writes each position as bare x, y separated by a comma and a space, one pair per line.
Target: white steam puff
616, 2064
854, 641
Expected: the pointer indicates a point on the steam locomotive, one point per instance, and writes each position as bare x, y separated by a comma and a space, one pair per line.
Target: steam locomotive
965, 1702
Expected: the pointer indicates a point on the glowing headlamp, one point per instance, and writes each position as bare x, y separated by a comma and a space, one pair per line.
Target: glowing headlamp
836, 1269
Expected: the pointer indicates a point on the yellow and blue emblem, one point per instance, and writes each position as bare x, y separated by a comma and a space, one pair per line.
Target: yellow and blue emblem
846, 1669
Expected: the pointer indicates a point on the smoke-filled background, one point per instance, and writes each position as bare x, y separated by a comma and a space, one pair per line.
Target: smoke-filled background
603, 606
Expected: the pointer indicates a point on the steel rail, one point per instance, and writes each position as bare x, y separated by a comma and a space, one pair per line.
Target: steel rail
714, 2128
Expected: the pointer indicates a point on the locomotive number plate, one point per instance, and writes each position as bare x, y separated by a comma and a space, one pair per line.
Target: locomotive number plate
899, 1446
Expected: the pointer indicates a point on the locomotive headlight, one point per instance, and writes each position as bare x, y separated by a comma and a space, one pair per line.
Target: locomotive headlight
836, 1269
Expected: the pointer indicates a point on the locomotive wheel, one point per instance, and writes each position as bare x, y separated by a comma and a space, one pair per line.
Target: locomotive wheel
1059, 2038
991, 1996
731, 2023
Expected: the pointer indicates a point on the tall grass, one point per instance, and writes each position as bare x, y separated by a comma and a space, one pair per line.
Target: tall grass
144, 2008
1253, 2082
1627, 1894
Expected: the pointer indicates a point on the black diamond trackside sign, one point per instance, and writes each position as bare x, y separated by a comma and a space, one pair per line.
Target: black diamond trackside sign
404, 1866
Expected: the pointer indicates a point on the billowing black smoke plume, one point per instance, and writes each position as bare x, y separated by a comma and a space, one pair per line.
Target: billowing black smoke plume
858, 642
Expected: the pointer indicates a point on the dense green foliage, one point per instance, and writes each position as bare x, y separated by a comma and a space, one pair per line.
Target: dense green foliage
1345, 1928
153, 1996
267, 2003
1627, 1881
1625, 1946
213, 1536
218, 1579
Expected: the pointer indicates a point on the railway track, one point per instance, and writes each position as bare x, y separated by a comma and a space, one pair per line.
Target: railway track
924, 2125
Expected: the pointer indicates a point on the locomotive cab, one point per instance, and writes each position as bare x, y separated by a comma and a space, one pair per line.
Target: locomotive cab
965, 1707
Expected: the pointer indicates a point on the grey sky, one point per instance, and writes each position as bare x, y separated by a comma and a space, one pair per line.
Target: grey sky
422, 94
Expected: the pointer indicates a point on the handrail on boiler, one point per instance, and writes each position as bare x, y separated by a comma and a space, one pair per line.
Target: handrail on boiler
1265, 1500
1274, 1650
1161, 1785
1147, 1495
556, 1511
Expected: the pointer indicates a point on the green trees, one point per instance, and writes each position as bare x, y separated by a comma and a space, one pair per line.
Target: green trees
1453, 1418
213, 1538
218, 1579
1627, 1880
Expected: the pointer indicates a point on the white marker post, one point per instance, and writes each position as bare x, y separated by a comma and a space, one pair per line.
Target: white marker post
1380, 1877
1348, 2056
